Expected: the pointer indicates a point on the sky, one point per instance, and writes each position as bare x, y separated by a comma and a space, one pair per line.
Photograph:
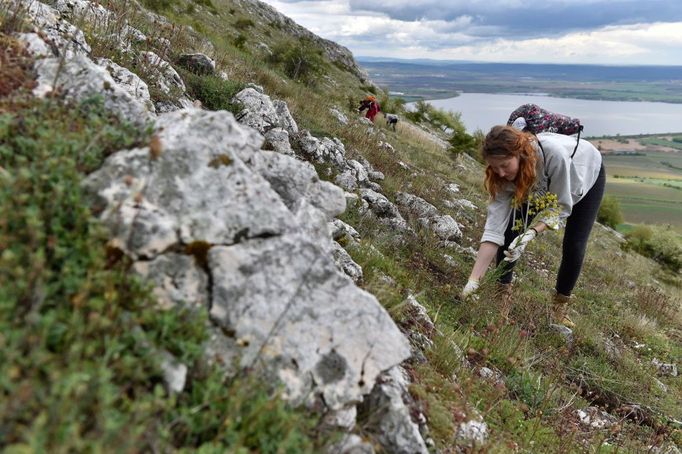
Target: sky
613, 32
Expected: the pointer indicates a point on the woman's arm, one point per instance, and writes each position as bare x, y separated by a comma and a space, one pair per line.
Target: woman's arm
540, 227
486, 253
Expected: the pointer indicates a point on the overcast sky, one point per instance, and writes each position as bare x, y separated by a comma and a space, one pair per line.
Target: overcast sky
621, 32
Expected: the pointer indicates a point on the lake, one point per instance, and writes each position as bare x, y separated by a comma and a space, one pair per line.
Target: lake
482, 111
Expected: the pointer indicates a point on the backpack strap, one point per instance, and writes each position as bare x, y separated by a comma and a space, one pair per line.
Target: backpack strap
577, 141
544, 162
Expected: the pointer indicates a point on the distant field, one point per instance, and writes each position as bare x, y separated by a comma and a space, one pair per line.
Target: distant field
649, 188
417, 80
652, 165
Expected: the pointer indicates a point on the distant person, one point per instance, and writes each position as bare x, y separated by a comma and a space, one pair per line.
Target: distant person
391, 120
371, 105
520, 165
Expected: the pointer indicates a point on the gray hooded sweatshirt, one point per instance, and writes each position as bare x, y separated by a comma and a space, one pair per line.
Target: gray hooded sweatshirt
570, 179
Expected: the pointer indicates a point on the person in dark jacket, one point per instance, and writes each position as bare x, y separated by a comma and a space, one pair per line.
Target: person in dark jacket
391, 120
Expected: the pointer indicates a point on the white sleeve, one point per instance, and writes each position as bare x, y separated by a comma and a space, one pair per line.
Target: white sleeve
499, 212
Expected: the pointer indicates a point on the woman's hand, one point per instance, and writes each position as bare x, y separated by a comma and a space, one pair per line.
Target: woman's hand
517, 246
470, 289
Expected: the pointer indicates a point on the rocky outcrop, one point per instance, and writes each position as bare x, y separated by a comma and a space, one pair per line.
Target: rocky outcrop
79, 78
388, 415
333, 51
261, 113
384, 210
197, 63
263, 219
443, 226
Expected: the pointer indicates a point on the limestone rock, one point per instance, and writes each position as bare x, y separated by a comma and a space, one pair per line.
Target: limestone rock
389, 416
177, 279
295, 314
197, 63
187, 192
346, 263
277, 139
78, 78
472, 434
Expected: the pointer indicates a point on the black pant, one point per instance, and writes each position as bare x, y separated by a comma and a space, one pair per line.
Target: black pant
578, 227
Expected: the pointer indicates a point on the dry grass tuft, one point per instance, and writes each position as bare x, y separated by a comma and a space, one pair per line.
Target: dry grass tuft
15, 66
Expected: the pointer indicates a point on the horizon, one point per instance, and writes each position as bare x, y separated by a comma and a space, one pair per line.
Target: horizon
375, 59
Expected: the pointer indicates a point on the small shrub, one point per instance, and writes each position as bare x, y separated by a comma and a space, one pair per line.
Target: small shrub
240, 41
159, 5
12, 17
15, 66
659, 243
244, 23
610, 212
639, 236
391, 105
301, 61
463, 142
213, 92
370, 88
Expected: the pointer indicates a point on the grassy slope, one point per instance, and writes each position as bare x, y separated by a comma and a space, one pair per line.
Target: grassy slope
618, 306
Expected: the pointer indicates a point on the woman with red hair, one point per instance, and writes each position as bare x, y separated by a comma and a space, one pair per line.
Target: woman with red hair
522, 167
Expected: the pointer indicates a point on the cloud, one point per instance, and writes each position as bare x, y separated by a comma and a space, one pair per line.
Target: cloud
526, 18
579, 31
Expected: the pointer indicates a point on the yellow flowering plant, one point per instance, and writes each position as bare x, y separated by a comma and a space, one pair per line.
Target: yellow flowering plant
540, 207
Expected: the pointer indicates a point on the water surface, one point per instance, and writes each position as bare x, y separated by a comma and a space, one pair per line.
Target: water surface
483, 110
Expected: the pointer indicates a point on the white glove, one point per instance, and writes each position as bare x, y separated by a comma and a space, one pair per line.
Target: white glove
469, 289
518, 245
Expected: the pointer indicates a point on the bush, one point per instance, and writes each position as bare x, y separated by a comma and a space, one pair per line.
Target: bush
420, 112
639, 236
240, 41
391, 105
463, 142
610, 212
243, 24
301, 61
159, 5
659, 243
213, 92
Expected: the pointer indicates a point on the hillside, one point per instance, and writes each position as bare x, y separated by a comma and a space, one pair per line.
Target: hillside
204, 248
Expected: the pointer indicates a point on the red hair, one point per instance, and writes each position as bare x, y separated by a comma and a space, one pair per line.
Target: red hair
507, 142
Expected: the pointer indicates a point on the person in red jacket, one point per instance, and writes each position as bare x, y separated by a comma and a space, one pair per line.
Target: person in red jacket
370, 103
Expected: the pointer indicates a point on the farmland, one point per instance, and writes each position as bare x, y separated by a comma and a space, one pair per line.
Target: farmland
648, 185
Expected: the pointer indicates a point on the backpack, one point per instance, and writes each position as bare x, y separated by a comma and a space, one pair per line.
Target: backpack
535, 119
